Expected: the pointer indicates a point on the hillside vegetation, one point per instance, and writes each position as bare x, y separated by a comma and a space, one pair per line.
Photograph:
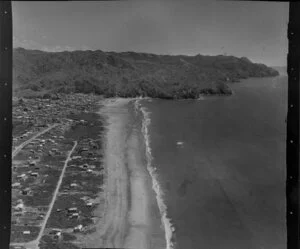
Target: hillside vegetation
128, 74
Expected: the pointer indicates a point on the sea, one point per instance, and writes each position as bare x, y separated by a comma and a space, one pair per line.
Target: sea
217, 166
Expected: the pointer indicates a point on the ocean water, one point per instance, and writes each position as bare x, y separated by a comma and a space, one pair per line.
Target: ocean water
218, 166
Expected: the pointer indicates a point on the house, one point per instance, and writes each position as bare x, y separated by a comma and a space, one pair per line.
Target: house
19, 207
84, 149
78, 228
34, 174
50, 153
56, 233
85, 166
57, 236
16, 184
89, 204
26, 191
32, 164
75, 215
73, 185
72, 210
26, 232
21, 176
76, 157
40, 217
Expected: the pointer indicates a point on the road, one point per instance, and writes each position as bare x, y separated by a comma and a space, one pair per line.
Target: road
35, 243
22, 145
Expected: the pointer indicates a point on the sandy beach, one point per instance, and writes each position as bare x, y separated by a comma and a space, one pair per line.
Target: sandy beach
127, 194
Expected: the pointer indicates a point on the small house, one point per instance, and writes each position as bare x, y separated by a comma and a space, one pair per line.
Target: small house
32, 164
72, 210
35, 174
75, 215
40, 217
26, 232
26, 191
19, 207
76, 157
85, 166
21, 176
16, 184
89, 204
56, 233
78, 228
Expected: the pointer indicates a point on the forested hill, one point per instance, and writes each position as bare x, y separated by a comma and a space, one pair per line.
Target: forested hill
128, 74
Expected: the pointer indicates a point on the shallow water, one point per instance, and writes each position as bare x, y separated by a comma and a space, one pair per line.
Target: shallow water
221, 165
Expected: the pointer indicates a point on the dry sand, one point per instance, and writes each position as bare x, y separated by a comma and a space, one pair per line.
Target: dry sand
125, 222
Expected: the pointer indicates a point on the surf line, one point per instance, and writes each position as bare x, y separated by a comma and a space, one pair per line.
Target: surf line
167, 224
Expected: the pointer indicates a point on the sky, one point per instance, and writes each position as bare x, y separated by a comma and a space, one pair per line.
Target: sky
257, 30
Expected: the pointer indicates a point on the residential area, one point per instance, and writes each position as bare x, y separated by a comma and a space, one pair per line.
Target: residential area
57, 171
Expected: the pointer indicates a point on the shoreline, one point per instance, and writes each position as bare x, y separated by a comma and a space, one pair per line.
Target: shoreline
166, 221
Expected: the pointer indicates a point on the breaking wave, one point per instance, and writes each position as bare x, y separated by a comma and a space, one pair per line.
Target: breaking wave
166, 221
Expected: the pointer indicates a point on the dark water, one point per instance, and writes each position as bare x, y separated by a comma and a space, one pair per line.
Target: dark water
225, 184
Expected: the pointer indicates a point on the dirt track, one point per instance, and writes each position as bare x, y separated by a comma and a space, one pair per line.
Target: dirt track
35, 243
22, 145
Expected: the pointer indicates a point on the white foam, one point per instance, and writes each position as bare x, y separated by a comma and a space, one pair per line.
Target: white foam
166, 222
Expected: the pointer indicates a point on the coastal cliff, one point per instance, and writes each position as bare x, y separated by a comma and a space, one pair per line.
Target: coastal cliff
129, 74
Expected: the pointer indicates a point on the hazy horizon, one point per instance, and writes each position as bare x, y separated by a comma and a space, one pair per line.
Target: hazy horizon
256, 30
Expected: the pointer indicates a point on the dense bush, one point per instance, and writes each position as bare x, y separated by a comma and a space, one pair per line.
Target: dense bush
129, 74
